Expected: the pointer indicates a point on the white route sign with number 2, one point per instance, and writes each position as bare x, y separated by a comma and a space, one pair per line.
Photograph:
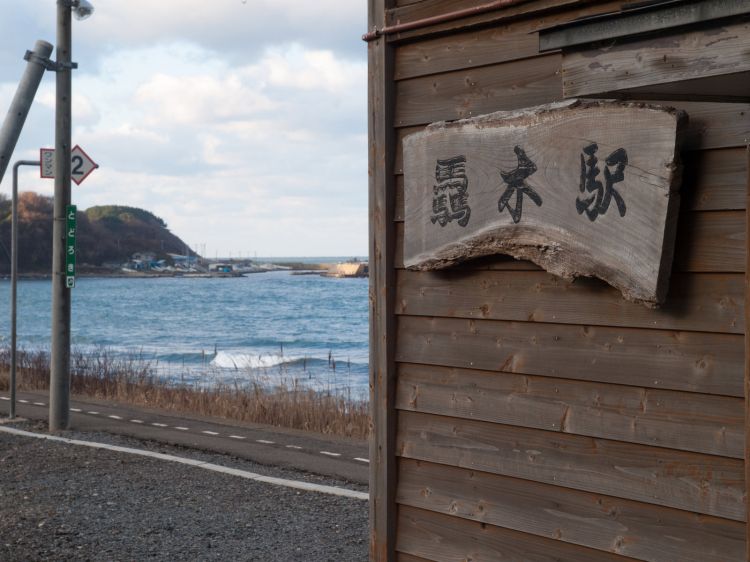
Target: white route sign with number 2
81, 164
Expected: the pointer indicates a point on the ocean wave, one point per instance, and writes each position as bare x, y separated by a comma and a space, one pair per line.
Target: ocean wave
229, 360
239, 360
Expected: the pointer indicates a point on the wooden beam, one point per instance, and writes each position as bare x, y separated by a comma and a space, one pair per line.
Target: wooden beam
658, 60
382, 336
747, 353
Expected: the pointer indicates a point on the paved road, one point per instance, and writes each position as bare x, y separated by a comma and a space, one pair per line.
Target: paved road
330, 456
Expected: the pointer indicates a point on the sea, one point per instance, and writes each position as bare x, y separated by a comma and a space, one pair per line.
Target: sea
264, 328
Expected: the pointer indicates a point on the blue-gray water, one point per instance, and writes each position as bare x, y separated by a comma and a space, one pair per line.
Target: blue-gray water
264, 326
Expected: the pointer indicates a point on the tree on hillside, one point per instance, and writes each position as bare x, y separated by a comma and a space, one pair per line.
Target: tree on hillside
109, 233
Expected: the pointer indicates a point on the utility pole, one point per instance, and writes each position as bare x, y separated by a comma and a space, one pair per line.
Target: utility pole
59, 393
38, 60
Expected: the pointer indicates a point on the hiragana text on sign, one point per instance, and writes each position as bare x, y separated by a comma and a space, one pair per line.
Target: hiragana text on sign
70, 246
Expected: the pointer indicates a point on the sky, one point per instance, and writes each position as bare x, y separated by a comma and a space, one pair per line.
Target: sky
241, 123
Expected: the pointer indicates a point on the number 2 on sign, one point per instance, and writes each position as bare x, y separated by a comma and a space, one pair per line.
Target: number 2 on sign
77, 162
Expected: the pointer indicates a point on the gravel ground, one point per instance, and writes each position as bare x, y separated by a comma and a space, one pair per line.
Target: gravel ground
65, 502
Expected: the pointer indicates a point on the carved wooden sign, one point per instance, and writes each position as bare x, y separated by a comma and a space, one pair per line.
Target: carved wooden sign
581, 189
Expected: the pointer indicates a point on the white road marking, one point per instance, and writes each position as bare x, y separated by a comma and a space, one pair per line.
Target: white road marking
209, 432
330, 454
265, 442
75, 410
360, 459
114, 417
136, 421
39, 404
181, 428
4, 398
293, 447
237, 437
22, 401
159, 424
93, 413
306, 486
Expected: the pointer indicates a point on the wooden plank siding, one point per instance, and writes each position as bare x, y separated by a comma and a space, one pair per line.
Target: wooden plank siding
695, 482
443, 538
663, 59
616, 412
711, 302
707, 242
606, 523
531, 15
540, 419
700, 362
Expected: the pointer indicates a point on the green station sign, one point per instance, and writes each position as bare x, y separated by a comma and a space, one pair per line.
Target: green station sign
70, 246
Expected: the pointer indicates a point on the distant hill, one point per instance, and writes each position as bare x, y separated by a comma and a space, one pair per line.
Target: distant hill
106, 234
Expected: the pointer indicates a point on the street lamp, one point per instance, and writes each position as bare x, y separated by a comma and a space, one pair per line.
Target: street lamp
59, 399
82, 9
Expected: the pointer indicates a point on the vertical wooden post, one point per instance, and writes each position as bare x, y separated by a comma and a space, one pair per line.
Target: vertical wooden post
747, 353
382, 318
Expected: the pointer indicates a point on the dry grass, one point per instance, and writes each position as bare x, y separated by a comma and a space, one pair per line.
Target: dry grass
133, 380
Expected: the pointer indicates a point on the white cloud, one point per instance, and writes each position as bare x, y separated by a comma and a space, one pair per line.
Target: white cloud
234, 122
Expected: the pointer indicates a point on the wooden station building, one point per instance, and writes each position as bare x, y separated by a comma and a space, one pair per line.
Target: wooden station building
520, 416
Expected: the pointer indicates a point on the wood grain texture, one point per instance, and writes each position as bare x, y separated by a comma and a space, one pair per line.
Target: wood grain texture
712, 241
447, 539
467, 50
688, 361
697, 302
657, 60
401, 557
381, 249
710, 124
463, 94
614, 525
579, 188
708, 242
534, 14
689, 481
712, 180
747, 343
622, 413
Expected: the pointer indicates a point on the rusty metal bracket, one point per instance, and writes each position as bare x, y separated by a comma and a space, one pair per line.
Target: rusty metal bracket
434, 20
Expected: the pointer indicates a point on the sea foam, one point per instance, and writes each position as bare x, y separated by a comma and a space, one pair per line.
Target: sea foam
228, 360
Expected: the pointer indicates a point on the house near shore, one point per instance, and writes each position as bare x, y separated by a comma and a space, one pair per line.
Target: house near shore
220, 268
522, 411
183, 261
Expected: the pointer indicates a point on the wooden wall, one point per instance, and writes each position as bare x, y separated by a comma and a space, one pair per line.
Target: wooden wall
535, 419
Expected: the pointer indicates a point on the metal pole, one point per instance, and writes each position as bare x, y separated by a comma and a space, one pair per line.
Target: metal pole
19, 107
14, 281
59, 390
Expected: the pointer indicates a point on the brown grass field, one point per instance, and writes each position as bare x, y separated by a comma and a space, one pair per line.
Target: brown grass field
134, 381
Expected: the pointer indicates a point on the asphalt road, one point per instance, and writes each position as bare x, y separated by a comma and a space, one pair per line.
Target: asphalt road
329, 456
